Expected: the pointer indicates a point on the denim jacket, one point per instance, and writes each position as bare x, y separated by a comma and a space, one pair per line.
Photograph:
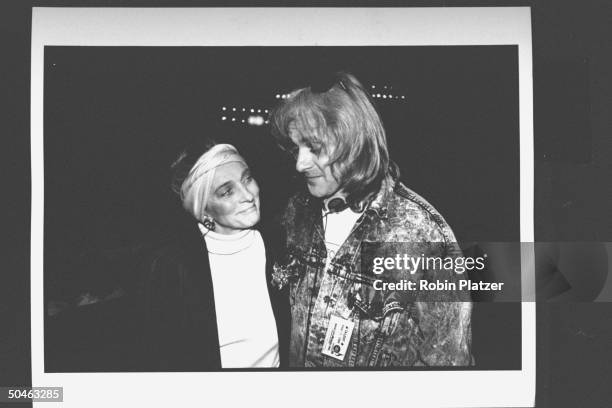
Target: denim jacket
391, 328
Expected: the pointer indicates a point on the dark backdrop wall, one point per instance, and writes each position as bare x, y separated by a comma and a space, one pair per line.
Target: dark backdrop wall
116, 117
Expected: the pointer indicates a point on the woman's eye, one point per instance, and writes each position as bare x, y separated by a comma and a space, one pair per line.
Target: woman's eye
226, 193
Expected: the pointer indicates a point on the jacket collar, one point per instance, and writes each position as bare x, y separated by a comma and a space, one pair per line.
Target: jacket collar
380, 201
377, 203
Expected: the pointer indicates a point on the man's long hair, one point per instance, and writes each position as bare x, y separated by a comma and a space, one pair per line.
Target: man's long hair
341, 117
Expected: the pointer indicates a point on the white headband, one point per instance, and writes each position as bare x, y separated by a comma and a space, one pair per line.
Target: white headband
196, 187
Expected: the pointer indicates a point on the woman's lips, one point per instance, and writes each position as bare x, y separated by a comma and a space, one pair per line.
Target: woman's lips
250, 209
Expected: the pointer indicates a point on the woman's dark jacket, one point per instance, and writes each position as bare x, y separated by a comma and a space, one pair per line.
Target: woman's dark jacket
179, 323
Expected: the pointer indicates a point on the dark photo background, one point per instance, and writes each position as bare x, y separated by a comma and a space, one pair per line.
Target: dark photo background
116, 118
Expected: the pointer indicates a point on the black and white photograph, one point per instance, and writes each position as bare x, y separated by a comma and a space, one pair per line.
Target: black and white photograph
209, 198
370, 203
124, 199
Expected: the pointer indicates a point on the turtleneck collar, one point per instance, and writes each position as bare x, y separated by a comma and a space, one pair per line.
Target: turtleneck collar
227, 244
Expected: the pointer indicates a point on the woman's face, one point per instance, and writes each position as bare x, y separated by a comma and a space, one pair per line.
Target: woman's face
234, 198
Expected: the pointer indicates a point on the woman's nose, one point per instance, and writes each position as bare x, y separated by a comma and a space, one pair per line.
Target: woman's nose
247, 195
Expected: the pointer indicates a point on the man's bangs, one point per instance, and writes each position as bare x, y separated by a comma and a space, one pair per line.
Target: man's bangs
303, 114
310, 124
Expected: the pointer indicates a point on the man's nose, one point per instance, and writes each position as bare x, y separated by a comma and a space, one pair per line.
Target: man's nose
304, 161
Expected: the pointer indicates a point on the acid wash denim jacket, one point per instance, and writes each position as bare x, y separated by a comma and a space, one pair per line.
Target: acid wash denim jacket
391, 328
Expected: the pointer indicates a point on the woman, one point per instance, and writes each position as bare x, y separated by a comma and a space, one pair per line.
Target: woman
207, 300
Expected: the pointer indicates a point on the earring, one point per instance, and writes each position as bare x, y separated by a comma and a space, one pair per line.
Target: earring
209, 223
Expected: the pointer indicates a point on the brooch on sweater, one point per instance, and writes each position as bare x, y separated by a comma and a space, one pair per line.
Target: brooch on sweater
282, 274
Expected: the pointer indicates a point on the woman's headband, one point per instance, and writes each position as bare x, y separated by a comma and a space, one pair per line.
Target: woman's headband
195, 189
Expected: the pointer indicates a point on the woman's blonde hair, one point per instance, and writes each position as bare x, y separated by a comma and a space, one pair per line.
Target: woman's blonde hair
338, 114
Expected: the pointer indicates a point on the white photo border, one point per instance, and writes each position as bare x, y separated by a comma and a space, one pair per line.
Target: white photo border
287, 27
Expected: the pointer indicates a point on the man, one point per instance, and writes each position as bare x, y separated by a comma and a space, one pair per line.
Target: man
354, 197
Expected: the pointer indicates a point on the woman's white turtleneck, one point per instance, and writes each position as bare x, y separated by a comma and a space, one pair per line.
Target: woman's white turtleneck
245, 321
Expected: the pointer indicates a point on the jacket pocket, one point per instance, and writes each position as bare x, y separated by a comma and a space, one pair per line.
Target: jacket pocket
378, 341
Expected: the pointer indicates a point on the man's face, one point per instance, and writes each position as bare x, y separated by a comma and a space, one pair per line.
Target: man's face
313, 162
